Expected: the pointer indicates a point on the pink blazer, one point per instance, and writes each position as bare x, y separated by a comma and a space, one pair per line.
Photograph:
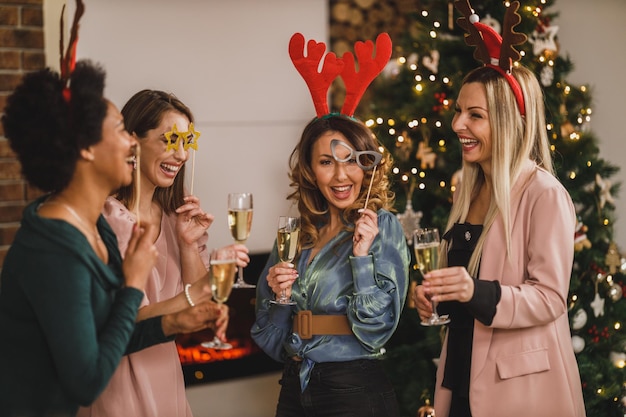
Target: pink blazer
524, 364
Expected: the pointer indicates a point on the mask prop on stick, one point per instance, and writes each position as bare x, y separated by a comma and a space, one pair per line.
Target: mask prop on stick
366, 160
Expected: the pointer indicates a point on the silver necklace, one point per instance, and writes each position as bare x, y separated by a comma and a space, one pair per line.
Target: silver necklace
77, 217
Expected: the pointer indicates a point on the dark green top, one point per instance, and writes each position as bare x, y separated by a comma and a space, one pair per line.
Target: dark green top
65, 318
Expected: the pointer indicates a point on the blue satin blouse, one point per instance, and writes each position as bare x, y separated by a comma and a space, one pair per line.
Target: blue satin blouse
370, 290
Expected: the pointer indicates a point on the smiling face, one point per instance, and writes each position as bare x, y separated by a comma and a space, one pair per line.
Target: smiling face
471, 124
113, 156
339, 182
160, 166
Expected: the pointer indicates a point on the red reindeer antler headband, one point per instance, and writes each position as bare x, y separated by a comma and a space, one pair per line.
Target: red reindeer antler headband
493, 50
356, 82
68, 59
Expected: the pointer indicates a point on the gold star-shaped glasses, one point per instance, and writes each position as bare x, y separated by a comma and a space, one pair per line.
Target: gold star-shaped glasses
189, 138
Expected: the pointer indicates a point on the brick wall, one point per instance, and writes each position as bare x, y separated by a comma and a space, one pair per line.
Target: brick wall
21, 50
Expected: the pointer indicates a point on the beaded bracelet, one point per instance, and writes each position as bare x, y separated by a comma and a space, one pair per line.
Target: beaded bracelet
189, 300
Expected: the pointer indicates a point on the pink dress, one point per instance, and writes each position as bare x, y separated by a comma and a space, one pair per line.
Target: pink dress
148, 383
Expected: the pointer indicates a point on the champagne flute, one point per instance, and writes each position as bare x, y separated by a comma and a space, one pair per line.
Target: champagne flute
287, 243
223, 266
240, 222
426, 243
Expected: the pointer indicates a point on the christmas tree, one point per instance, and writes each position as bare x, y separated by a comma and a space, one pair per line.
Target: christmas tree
410, 108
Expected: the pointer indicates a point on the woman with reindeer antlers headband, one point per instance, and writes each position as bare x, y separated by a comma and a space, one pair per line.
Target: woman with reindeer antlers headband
350, 279
68, 302
508, 249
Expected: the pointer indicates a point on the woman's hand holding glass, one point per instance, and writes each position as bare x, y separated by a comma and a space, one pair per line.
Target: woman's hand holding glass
222, 277
426, 243
280, 278
202, 316
240, 222
287, 245
449, 284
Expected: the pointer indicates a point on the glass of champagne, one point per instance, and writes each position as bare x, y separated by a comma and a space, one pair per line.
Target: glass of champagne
287, 243
426, 243
240, 222
222, 271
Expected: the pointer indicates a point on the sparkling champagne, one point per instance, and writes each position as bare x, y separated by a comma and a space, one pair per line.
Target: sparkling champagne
287, 244
427, 256
240, 222
222, 278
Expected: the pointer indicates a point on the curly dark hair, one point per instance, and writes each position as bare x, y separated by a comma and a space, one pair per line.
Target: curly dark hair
142, 113
46, 132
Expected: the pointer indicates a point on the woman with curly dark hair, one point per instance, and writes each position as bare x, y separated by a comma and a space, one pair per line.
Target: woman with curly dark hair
348, 283
68, 301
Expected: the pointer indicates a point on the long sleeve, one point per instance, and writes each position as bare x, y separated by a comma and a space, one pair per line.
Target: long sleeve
540, 295
273, 322
380, 286
84, 323
369, 290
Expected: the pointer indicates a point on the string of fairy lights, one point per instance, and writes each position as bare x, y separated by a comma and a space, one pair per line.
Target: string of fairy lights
563, 131
415, 176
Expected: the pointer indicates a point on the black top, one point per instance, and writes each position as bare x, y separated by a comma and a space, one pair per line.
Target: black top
462, 240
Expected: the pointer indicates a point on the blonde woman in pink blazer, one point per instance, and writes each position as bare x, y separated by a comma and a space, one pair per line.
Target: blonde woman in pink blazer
507, 256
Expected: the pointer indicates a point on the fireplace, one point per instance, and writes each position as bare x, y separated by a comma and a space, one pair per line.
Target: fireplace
202, 365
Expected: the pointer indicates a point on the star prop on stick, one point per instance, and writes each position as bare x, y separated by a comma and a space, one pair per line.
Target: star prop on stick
189, 139
605, 191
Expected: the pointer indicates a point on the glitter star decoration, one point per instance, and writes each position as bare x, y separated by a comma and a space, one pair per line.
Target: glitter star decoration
409, 220
604, 195
598, 305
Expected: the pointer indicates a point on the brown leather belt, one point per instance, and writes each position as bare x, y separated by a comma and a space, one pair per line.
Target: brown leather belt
307, 325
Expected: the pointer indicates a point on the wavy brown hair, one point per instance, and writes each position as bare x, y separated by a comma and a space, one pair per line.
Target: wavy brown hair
312, 205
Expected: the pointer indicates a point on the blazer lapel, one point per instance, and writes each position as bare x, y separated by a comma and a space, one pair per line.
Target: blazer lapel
492, 265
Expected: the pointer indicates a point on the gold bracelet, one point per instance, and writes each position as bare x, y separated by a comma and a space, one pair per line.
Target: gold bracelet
187, 296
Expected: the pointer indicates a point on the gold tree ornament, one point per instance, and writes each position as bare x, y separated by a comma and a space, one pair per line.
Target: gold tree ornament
426, 410
426, 155
612, 258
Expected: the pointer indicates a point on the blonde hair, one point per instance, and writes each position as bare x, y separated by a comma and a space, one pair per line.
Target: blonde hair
312, 205
515, 140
